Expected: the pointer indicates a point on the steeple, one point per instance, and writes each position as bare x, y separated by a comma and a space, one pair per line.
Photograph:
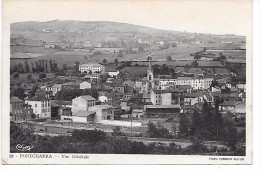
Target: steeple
149, 59
150, 81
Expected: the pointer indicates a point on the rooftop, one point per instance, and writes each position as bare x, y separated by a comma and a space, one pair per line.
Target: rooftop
230, 103
163, 106
86, 97
82, 113
92, 65
15, 99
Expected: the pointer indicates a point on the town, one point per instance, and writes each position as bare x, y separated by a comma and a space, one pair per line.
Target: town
183, 88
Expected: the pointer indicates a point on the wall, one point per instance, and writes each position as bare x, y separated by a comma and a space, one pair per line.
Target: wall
79, 104
166, 98
85, 85
121, 123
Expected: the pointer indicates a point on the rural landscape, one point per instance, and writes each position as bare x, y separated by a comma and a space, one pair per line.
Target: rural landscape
118, 88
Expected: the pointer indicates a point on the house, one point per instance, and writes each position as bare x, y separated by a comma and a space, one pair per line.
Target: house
19, 111
105, 99
82, 103
60, 107
41, 107
119, 88
102, 112
85, 85
164, 97
92, 67
137, 113
232, 106
56, 88
192, 98
241, 86
80, 116
113, 74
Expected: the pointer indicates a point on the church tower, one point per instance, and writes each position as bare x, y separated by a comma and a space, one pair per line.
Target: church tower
150, 77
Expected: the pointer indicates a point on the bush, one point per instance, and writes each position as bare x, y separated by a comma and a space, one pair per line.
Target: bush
42, 75
15, 75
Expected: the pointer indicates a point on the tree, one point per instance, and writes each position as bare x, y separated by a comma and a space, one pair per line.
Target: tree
76, 67
26, 66
15, 75
104, 61
29, 77
33, 91
64, 67
103, 77
42, 75
169, 58
194, 64
120, 54
20, 68
51, 67
18, 92
46, 66
116, 61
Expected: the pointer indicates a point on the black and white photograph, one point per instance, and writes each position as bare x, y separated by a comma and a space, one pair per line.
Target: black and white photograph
147, 79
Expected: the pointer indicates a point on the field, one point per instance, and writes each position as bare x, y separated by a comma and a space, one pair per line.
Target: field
201, 63
22, 76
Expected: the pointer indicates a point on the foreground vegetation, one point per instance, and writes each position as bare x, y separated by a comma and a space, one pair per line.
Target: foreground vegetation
94, 141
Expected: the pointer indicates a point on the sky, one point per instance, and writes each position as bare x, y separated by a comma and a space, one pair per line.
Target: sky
201, 16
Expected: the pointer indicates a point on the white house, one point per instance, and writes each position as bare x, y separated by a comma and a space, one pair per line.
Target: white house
41, 107
82, 103
93, 67
85, 85
113, 73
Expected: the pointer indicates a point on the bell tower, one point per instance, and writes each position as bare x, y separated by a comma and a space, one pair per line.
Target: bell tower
150, 77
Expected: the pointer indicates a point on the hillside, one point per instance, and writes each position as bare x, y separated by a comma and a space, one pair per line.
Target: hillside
62, 31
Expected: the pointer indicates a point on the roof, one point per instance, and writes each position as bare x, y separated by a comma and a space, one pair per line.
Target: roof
193, 95
184, 86
87, 97
162, 106
230, 103
102, 106
82, 113
92, 65
138, 110
70, 83
184, 78
15, 99
62, 102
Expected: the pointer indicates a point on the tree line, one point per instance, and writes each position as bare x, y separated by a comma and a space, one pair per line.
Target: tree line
35, 67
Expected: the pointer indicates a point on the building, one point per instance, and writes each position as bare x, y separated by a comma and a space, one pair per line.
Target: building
105, 99
137, 113
119, 88
233, 106
56, 88
20, 111
92, 78
102, 112
113, 74
41, 107
199, 83
92, 67
241, 86
85, 85
82, 103
167, 97
155, 110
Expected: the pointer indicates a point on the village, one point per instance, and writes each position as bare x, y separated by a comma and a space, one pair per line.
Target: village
129, 91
